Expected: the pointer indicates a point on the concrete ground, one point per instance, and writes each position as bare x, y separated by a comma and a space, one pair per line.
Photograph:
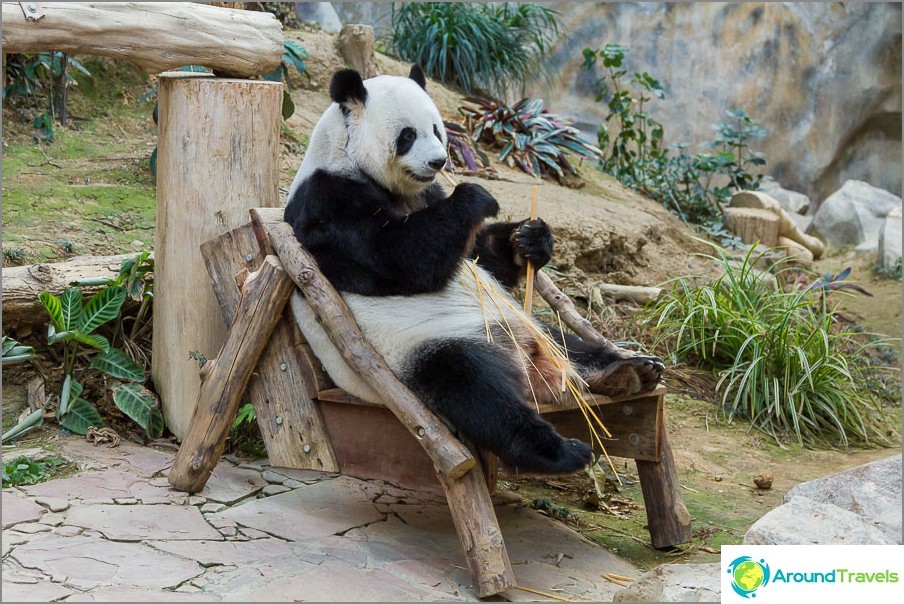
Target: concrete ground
118, 532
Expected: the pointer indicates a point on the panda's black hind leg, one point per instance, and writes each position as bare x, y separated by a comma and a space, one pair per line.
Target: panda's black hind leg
478, 391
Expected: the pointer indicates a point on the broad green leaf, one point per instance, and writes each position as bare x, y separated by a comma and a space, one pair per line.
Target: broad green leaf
71, 391
92, 281
8, 344
139, 404
288, 106
116, 363
93, 340
54, 336
54, 308
35, 419
81, 416
71, 308
102, 307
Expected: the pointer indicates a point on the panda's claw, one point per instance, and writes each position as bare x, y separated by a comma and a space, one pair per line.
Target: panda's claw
533, 241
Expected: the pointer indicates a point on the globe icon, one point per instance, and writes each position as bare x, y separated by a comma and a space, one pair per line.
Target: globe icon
748, 575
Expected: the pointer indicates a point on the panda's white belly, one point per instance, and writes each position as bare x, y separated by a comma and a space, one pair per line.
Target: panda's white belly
396, 326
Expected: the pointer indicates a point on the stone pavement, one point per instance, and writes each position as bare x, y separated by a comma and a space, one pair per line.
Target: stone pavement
116, 532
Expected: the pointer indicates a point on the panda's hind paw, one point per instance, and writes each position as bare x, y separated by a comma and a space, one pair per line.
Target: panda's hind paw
631, 375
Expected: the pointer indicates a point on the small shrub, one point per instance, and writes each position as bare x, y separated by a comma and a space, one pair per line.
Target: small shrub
782, 359
462, 150
476, 46
528, 136
14, 255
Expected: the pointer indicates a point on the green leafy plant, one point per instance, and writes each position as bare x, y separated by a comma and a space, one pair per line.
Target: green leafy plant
475, 46
74, 327
42, 74
293, 56
528, 136
14, 353
24, 471
783, 360
692, 185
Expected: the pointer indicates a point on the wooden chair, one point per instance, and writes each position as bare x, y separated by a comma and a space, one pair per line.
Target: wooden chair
307, 423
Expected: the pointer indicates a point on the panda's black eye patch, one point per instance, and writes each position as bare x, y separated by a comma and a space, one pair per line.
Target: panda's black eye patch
405, 140
436, 133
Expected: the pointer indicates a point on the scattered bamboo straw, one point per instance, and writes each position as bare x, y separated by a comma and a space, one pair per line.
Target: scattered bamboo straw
529, 281
548, 595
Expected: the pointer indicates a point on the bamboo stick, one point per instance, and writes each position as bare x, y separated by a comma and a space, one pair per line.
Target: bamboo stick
529, 278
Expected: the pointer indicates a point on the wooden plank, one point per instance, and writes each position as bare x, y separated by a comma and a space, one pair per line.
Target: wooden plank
155, 36
282, 386
668, 520
263, 298
370, 442
217, 157
634, 425
448, 454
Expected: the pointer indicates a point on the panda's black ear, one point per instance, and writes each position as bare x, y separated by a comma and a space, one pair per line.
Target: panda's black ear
347, 86
417, 74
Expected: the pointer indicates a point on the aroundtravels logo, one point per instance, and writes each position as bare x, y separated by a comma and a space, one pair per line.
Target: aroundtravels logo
748, 575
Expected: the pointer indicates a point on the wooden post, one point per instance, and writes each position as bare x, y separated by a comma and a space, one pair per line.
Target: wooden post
217, 157
264, 296
155, 36
668, 520
478, 531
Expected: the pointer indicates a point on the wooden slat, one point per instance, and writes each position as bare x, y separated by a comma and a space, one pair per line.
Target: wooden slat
265, 295
668, 520
281, 387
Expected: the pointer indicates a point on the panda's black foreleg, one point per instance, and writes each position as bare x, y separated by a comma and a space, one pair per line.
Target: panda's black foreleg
478, 392
608, 369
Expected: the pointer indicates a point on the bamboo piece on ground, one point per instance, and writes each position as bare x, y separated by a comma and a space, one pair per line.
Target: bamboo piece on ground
477, 528
263, 298
529, 275
636, 293
155, 36
450, 457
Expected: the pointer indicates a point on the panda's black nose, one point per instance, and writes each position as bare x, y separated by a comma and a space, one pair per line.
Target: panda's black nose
437, 164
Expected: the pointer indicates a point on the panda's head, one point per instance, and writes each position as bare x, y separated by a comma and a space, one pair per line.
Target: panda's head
395, 133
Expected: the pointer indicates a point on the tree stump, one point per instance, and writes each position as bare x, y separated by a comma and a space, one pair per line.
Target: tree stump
217, 158
752, 225
356, 47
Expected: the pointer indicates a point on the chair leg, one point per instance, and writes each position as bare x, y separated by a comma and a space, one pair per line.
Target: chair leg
478, 530
668, 520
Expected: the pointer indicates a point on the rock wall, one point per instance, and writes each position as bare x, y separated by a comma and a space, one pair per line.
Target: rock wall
824, 78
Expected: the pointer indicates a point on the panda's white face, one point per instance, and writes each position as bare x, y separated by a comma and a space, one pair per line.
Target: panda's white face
397, 137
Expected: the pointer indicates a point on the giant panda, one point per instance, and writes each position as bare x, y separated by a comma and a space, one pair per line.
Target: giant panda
366, 205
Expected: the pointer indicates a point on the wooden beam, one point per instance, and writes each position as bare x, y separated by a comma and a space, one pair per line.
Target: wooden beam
264, 296
668, 520
448, 454
283, 386
155, 36
218, 149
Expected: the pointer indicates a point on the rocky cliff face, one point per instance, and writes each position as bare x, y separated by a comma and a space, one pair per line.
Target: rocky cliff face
824, 78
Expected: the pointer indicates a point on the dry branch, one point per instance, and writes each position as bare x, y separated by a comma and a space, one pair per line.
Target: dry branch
155, 36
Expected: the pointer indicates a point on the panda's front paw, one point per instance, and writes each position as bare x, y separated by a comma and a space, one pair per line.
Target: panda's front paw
477, 199
533, 241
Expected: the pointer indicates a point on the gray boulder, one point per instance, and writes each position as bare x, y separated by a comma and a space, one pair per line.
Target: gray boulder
675, 583
791, 201
320, 13
853, 215
872, 491
890, 241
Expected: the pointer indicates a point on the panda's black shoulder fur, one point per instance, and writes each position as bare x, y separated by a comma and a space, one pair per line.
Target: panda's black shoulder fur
362, 246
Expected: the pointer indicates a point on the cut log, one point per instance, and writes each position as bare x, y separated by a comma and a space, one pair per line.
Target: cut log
22, 284
284, 384
752, 225
155, 36
795, 252
448, 454
217, 158
635, 293
264, 297
786, 226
